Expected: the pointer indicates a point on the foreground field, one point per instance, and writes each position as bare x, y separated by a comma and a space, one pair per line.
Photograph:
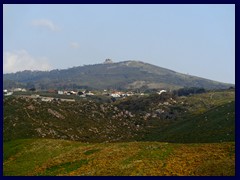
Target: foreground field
70, 158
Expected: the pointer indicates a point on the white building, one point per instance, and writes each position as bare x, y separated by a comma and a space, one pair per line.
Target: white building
60, 92
162, 91
8, 94
89, 94
19, 90
115, 95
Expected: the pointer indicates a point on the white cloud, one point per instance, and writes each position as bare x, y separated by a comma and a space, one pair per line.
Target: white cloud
21, 60
74, 45
45, 23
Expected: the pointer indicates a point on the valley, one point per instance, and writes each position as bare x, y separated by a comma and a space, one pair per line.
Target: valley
136, 135
119, 90
126, 118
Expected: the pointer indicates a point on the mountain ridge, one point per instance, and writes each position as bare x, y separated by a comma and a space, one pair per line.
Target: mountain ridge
128, 74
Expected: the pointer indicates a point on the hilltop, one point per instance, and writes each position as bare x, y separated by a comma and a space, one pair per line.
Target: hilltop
109, 75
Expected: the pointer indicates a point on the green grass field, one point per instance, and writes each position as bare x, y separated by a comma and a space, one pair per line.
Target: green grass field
68, 158
214, 125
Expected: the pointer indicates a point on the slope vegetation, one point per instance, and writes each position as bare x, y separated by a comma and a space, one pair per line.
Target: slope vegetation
157, 135
122, 75
68, 158
208, 117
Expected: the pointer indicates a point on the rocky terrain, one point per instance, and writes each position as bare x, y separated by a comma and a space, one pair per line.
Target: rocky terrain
127, 119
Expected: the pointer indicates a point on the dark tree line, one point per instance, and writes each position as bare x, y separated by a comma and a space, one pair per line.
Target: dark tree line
188, 91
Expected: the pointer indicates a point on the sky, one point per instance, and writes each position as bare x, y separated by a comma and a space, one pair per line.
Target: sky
196, 39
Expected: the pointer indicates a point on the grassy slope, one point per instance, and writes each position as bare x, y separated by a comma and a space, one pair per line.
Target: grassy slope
61, 157
214, 125
209, 117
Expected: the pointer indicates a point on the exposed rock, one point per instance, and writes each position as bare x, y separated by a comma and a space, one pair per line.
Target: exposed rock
56, 114
31, 107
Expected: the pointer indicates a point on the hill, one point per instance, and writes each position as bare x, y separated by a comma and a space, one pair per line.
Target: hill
154, 135
121, 75
68, 158
207, 117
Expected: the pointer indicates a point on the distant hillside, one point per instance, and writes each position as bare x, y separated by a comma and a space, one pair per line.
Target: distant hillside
208, 117
121, 75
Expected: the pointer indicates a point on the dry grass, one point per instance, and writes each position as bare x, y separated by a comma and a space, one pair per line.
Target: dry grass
68, 158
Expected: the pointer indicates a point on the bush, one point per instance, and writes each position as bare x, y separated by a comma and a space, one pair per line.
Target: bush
188, 91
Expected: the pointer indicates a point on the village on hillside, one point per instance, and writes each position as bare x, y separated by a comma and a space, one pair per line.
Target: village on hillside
69, 95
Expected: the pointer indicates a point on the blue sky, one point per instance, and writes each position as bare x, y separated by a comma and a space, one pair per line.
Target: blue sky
193, 39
